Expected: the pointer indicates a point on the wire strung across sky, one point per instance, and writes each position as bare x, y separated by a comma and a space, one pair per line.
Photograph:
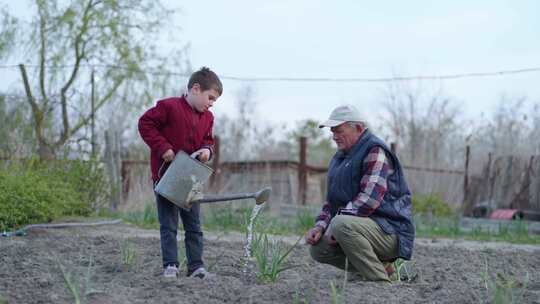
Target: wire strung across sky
311, 79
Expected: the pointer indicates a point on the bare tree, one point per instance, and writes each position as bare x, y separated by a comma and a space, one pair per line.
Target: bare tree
247, 136
15, 132
507, 131
237, 133
535, 129
119, 38
8, 30
426, 124
320, 148
401, 103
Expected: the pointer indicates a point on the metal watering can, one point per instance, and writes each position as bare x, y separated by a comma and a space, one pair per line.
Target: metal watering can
182, 184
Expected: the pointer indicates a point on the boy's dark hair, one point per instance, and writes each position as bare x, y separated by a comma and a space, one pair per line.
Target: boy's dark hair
207, 79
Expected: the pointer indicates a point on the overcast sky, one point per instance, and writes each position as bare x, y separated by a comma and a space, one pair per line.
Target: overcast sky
370, 39
364, 39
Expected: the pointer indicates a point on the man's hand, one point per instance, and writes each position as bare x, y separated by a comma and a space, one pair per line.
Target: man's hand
314, 235
168, 156
202, 155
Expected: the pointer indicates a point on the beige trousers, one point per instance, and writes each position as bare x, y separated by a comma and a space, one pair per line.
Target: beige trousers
366, 246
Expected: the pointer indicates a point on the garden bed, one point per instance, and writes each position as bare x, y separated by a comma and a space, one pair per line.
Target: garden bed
122, 264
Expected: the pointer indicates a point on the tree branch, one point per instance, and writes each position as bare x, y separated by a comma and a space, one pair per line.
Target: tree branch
38, 113
42, 51
85, 119
79, 55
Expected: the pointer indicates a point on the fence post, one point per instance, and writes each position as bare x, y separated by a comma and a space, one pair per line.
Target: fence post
112, 157
93, 114
302, 172
488, 177
466, 176
125, 169
215, 178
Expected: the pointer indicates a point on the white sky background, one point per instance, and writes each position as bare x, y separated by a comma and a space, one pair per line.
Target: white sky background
368, 39
364, 39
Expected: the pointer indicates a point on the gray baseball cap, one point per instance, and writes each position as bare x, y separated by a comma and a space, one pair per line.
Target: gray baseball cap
341, 115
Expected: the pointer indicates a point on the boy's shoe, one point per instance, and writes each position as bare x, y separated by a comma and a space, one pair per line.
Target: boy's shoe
170, 272
200, 273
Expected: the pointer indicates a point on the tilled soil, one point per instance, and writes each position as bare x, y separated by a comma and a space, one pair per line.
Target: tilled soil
449, 272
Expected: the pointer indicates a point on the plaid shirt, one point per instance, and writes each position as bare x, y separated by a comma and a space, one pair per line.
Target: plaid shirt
373, 186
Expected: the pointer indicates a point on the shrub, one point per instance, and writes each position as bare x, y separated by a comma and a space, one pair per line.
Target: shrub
431, 204
36, 192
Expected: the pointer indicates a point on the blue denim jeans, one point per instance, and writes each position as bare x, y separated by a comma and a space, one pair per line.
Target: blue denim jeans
168, 226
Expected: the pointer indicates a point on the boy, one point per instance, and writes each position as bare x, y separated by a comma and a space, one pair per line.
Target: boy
174, 124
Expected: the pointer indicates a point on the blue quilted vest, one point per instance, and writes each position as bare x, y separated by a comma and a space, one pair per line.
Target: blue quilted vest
394, 215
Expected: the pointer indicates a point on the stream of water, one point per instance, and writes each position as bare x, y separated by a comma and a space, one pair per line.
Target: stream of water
247, 247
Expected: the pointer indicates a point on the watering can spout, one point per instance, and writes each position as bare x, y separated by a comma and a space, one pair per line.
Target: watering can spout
259, 196
262, 196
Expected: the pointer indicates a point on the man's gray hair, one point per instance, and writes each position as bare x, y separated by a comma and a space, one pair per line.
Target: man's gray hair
357, 123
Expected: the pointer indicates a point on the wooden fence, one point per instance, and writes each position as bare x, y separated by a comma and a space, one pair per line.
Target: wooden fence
506, 182
294, 183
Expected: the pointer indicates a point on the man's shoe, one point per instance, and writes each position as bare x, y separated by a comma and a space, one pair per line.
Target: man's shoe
409, 272
200, 273
390, 270
170, 272
404, 271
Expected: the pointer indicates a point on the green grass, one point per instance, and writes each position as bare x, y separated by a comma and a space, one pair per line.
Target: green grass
403, 273
337, 294
449, 227
182, 259
74, 283
128, 254
225, 218
146, 218
305, 219
271, 257
228, 217
300, 297
71, 283
501, 288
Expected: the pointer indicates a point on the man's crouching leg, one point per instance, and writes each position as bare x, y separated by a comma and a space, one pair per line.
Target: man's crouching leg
365, 244
325, 253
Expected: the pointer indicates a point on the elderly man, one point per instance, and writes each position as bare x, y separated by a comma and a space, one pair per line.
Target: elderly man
367, 216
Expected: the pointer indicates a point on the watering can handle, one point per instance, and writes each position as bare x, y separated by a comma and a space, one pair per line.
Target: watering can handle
160, 170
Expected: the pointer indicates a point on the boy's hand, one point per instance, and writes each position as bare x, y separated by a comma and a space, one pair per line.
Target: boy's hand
168, 156
202, 155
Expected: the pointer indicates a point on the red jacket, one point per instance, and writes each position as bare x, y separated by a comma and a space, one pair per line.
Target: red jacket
174, 124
